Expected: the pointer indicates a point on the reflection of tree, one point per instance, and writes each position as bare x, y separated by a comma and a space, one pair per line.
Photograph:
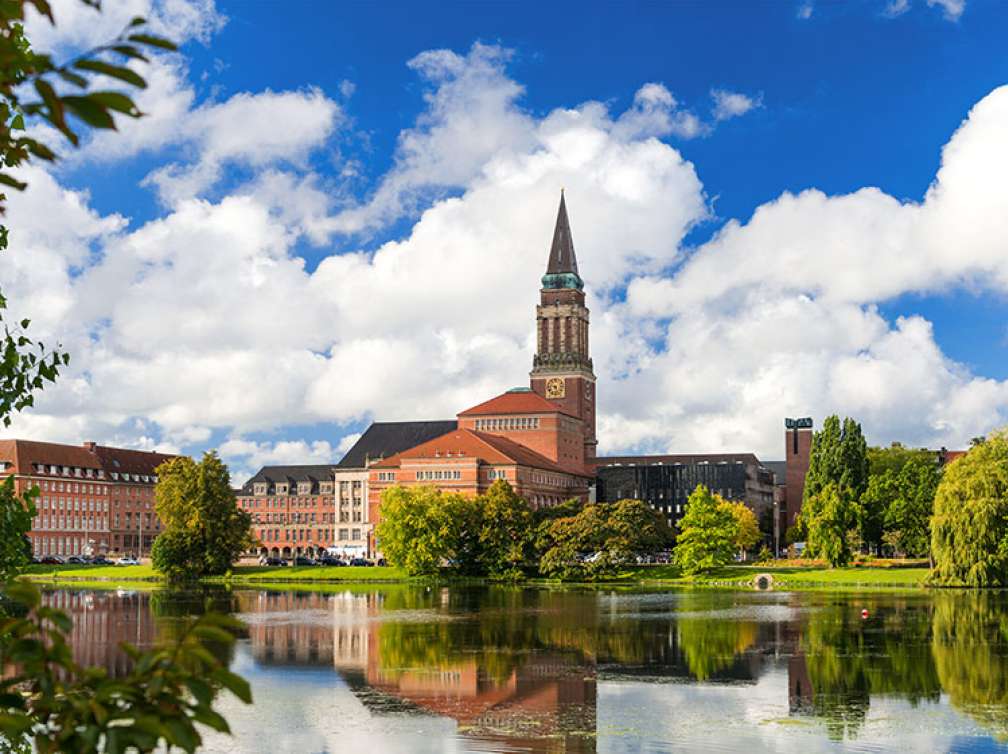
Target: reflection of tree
711, 645
969, 646
849, 659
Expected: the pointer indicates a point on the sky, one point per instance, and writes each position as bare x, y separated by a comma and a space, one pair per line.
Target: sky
337, 215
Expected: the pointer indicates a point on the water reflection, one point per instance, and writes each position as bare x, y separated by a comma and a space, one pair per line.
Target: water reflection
402, 668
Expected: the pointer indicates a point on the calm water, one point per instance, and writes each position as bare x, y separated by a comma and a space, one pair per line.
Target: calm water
411, 669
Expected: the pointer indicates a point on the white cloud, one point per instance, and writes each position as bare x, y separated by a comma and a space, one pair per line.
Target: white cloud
896, 8
732, 104
805, 10
79, 26
246, 457
953, 9
206, 320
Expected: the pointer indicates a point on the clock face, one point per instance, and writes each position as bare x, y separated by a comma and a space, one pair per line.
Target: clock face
555, 388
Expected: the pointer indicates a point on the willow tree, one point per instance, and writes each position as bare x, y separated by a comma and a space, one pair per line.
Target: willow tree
969, 530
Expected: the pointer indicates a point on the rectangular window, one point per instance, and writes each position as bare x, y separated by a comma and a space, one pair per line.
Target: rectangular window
356, 534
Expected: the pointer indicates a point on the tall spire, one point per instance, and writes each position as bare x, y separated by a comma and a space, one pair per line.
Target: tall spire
562, 269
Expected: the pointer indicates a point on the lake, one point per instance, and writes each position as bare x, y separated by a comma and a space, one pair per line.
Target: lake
405, 668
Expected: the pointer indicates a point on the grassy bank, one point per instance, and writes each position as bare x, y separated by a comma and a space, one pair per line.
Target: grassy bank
240, 574
785, 576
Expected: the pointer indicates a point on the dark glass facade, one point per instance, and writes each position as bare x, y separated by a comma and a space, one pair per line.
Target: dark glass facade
667, 486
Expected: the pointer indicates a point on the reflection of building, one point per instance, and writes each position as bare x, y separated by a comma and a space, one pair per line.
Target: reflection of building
101, 621
90, 496
666, 482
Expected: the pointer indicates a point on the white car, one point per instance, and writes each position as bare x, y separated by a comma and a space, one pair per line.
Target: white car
127, 561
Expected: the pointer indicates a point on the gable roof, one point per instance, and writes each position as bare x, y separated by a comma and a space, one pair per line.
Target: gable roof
24, 454
467, 443
384, 439
516, 402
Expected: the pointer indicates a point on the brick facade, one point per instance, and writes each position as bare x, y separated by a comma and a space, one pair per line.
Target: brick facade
91, 498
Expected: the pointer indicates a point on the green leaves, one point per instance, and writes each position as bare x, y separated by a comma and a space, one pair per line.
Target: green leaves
160, 703
205, 531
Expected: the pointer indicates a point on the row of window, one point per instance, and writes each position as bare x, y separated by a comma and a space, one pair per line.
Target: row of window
305, 535
271, 502
72, 504
386, 476
507, 423
88, 489
439, 474
554, 480
496, 474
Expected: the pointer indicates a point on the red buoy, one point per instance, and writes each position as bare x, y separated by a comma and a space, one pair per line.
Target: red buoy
864, 613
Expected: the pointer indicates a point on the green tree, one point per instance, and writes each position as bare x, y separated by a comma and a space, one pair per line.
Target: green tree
747, 532
417, 531
506, 534
601, 538
969, 530
707, 533
883, 488
204, 529
839, 455
16, 514
830, 516
909, 512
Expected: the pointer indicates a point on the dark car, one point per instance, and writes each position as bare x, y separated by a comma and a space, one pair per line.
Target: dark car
329, 560
100, 560
303, 560
51, 560
74, 560
272, 561
361, 562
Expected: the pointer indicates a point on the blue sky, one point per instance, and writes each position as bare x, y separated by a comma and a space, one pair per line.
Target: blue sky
317, 120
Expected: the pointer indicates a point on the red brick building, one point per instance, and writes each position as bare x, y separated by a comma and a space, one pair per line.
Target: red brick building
541, 439
91, 498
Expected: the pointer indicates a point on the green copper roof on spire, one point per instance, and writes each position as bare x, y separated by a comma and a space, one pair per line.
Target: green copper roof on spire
561, 269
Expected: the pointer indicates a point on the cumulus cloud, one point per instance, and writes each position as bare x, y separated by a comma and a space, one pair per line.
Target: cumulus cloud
246, 456
205, 320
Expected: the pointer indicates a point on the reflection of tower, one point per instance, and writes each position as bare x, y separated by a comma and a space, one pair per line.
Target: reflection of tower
800, 695
797, 451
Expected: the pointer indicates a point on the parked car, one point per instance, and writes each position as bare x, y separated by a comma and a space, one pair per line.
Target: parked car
329, 560
272, 561
360, 562
75, 560
303, 560
127, 561
100, 560
51, 560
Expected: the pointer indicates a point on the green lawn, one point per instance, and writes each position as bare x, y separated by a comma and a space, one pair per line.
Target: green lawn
786, 576
240, 574
124, 573
273, 574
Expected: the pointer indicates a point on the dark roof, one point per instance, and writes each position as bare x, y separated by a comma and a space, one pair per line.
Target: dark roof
315, 473
690, 458
561, 258
384, 439
779, 469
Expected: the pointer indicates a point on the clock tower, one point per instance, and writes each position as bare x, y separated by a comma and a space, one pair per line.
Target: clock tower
561, 368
